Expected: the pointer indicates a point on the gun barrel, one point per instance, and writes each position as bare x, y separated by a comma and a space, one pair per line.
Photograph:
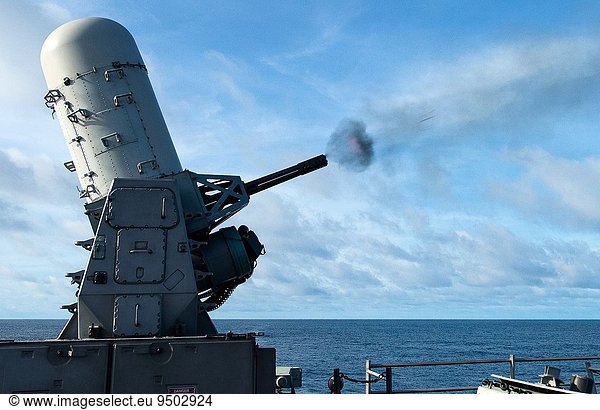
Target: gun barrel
276, 178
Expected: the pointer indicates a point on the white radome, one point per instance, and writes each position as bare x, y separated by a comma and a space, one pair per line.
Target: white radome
102, 96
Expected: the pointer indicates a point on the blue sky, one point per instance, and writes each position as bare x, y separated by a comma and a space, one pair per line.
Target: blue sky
482, 199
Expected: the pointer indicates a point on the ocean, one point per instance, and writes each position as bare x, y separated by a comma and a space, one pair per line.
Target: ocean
319, 346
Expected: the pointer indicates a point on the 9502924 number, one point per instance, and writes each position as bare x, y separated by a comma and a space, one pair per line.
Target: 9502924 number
184, 400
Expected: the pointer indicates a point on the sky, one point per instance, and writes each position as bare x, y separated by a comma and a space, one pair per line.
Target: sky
481, 200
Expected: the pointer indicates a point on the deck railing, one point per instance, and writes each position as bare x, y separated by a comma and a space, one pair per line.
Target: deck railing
372, 376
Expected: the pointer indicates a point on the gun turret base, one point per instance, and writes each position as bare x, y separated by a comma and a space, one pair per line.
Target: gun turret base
164, 365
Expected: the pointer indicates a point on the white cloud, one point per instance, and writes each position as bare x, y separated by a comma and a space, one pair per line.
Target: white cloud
418, 234
561, 190
55, 11
419, 264
574, 181
504, 85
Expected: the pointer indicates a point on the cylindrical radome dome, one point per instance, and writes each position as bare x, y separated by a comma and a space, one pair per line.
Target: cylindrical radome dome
101, 93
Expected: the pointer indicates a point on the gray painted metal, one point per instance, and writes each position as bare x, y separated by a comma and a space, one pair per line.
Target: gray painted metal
139, 280
106, 106
54, 366
225, 364
153, 253
155, 267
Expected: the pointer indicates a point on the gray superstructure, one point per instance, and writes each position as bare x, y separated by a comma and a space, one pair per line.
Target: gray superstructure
157, 264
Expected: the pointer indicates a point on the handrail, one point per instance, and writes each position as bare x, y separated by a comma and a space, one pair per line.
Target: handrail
512, 360
442, 363
483, 361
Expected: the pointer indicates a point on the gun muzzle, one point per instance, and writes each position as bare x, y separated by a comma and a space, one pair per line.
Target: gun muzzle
276, 178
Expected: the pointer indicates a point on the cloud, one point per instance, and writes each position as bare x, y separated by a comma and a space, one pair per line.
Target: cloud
448, 222
326, 34
13, 217
491, 255
36, 225
321, 38
29, 294
507, 87
227, 74
558, 189
31, 178
20, 65
413, 262
573, 181
576, 264
55, 11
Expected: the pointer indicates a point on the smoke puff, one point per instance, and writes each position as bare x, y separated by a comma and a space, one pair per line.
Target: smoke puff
351, 146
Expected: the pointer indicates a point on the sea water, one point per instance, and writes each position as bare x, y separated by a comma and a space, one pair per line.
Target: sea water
319, 346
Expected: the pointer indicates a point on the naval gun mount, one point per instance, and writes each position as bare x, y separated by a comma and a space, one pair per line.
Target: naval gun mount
157, 265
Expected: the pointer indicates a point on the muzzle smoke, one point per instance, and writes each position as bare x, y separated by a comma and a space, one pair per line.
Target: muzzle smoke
351, 146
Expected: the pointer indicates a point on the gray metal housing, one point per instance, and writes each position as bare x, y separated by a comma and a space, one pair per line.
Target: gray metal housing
156, 265
101, 93
219, 364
